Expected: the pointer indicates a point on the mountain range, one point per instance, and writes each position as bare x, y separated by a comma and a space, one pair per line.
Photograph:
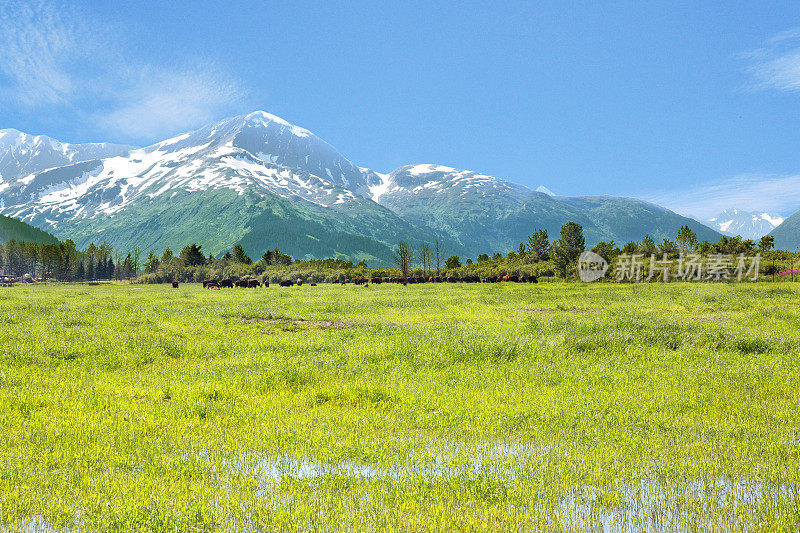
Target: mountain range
262, 182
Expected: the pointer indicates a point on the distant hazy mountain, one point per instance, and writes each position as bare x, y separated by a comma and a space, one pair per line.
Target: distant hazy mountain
787, 235
260, 181
22, 154
748, 224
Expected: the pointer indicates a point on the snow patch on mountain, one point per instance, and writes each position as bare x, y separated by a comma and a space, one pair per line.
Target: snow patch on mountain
545, 190
774, 220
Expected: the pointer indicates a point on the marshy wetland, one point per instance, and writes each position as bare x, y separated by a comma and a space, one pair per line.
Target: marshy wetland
559, 406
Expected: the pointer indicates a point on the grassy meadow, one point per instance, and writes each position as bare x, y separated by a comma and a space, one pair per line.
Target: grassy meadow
549, 407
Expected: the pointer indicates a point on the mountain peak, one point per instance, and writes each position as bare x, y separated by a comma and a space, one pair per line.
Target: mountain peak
262, 118
545, 190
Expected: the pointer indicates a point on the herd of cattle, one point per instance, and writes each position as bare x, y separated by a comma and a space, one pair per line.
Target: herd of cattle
253, 283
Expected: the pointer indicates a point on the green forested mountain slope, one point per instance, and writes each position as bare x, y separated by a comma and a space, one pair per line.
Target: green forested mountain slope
11, 228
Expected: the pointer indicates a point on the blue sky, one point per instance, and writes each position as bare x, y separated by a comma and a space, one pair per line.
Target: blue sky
691, 104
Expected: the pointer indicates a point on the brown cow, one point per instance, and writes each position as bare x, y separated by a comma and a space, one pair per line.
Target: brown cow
174, 284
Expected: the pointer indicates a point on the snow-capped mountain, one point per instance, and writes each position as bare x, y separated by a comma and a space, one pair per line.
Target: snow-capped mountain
748, 224
22, 154
484, 212
262, 182
213, 182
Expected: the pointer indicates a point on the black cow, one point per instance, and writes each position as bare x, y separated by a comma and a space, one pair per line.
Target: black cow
174, 284
286, 283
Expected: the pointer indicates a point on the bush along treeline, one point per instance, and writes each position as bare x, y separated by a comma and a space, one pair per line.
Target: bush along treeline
63, 261
539, 256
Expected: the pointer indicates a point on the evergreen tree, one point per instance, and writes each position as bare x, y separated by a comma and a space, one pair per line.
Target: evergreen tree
687, 240
538, 246
452, 262
648, 246
568, 248
240, 256
191, 255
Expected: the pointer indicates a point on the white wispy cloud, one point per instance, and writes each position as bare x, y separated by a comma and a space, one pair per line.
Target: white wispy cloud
52, 58
764, 193
34, 47
776, 65
164, 101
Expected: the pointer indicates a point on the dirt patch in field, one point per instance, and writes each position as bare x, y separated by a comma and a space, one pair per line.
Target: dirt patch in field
325, 324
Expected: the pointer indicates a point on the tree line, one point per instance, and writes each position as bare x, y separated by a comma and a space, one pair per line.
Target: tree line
537, 256
65, 262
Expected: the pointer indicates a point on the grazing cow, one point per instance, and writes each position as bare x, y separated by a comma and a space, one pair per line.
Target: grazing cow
313, 284
299, 281
240, 284
174, 284
286, 283
208, 282
226, 283
266, 283
533, 280
253, 283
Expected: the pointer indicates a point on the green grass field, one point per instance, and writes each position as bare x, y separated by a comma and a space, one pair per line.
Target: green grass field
432, 407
